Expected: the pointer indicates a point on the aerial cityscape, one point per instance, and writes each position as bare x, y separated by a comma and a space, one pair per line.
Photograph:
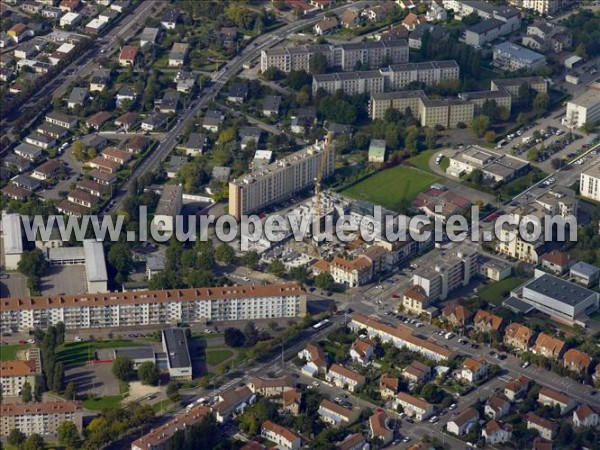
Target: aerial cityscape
299, 224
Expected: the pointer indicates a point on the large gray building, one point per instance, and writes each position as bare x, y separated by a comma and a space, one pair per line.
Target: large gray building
175, 346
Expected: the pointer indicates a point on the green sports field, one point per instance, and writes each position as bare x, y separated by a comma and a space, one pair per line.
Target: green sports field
390, 187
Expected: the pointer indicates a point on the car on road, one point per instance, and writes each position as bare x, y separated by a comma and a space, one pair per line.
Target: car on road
31, 341
245, 278
434, 419
525, 364
4, 276
406, 439
315, 383
452, 406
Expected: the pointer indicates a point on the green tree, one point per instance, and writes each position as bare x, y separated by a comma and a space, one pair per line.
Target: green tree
16, 437
69, 393
68, 436
58, 376
277, 268
581, 51
430, 138
173, 391
34, 442
317, 63
200, 278
225, 254
26, 392
119, 257
250, 259
78, 150
541, 102
479, 125
477, 176
533, 155
299, 274
32, 263
234, 337
148, 373
122, 368
324, 281
521, 120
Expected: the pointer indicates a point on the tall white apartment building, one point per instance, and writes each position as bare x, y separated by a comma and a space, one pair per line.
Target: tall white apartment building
584, 109
372, 54
589, 183
14, 374
154, 307
542, 7
42, 418
280, 180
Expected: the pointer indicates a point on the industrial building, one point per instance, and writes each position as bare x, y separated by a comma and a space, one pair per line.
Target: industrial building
154, 307
12, 240
175, 346
169, 206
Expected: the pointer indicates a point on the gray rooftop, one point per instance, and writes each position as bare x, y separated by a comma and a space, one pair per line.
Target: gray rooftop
95, 265
66, 253
518, 52
13, 235
485, 25
135, 353
558, 289
155, 262
517, 305
584, 269
176, 347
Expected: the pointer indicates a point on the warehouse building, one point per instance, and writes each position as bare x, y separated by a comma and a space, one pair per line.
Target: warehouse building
12, 239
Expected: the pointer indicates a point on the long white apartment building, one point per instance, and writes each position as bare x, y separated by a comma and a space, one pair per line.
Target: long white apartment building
584, 109
400, 337
589, 183
370, 54
280, 180
153, 307
542, 7
390, 78
42, 418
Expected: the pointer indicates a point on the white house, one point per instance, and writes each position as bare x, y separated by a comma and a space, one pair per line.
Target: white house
472, 370
463, 423
494, 433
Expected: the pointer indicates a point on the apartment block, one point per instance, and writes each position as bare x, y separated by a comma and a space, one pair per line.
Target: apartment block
154, 307
512, 85
485, 10
400, 337
585, 109
280, 180
390, 78
512, 57
335, 414
502, 99
440, 272
42, 418
14, 374
589, 183
345, 378
371, 54
542, 7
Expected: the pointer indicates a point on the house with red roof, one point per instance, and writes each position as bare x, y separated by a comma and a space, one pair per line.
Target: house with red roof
128, 55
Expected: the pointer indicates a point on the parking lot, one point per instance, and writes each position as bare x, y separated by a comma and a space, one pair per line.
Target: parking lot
15, 285
60, 280
93, 379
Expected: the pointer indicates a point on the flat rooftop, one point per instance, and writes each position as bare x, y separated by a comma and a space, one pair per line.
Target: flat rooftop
589, 99
13, 235
558, 289
95, 264
177, 348
517, 305
134, 353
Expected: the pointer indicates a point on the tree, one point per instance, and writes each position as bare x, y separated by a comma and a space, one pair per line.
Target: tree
557, 163
324, 281
148, 373
541, 102
26, 392
34, 442
16, 437
272, 74
581, 51
225, 254
477, 176
489, 136
521, 120
69, 393
78, 150
250, 259
68, 436
524, 96
32, 263
299, 274
277, 268
58, 376
200, 278
430, 138
234, 337
119, 257
173, 391
479, 125
565, 433
122, 368
317, 63
533, 155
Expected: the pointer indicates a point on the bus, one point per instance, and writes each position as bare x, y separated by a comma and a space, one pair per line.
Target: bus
321, 324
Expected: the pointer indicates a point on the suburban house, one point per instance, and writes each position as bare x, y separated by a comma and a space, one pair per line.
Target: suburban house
586, 416
335, 414
116, 155
545, 427
550, 397
316, 362
78, 97
238, 93
518, 336
350, 18
195, 144
516, 388
233, 401
169, 19
54, 131
556, 262
271, 386
473, 370
178, 54
362, 351
413, 406
28, 151
47, 170
577, 361
354, 441
292, 399
495, 433
456, 314
585, 274
486, 322
155, 121
104, 165
60, 119
548, 346
388, 386
415, 300
283, 437
213, 120
98, 119
345, 378
127, 120
82, 198
417, 372
326, 25
270, 105
464, 422
496, 407
40, 140
379, 429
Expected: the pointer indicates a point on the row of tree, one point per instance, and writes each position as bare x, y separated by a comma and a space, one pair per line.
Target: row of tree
48, 341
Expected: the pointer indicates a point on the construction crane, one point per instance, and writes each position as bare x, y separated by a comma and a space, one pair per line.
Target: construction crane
319, 177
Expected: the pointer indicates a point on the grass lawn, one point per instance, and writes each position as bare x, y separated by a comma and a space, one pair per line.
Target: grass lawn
496, 292
163, 404
421, 161
217, 356
390, 187
9, 352
81, 352
98, 404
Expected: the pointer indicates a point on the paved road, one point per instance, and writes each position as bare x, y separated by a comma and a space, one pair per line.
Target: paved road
219, 78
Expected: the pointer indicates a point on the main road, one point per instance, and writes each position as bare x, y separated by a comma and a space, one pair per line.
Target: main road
219, 79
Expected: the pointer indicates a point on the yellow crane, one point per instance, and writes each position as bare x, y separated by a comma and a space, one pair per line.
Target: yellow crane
319, 177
